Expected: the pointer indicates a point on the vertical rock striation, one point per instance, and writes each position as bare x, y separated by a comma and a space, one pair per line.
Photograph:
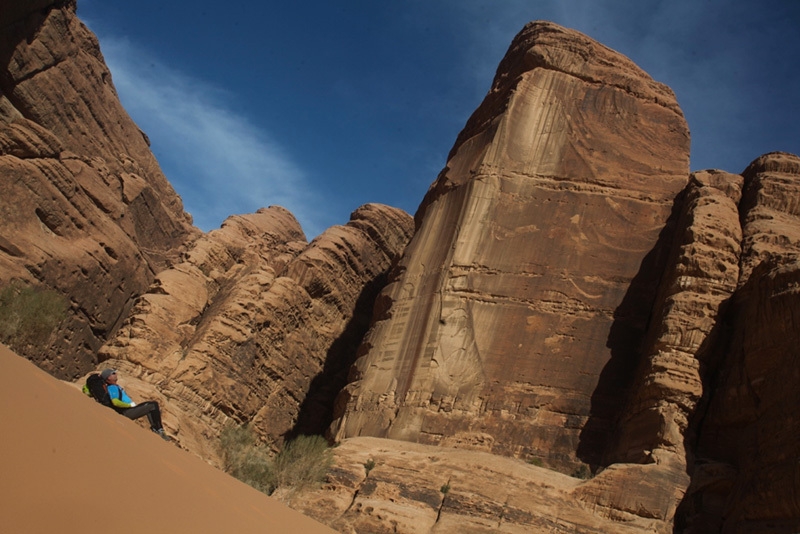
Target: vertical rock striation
85, 209
533, 263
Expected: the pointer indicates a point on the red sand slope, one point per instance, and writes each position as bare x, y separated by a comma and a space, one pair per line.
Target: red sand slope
69, 465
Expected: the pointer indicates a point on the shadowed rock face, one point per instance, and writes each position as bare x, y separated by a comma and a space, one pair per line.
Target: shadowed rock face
746, 436
256, 325
533, 265
85, 209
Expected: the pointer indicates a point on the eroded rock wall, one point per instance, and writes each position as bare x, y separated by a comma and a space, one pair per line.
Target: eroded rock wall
534, 262
85, 209
702, 274
648, 454
256, 325
382, 485
747, 445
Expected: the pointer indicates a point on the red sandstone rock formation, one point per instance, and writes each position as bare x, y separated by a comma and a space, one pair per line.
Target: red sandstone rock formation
382, 485
550, 306
529, 270
747, 441
257, 326
567, 299
701, 275
85, 209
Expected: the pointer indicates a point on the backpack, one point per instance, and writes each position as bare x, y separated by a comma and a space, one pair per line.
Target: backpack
96, 388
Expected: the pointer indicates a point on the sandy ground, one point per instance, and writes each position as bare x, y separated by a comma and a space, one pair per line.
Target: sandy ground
69, 465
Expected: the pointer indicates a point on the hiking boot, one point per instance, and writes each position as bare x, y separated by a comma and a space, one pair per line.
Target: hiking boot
163, 434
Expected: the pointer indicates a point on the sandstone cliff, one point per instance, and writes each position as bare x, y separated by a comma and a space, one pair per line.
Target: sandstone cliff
573, 296
572, 299
745, 439
85, 208
520, 304
257, 326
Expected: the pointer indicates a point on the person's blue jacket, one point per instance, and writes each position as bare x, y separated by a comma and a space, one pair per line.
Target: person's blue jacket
119, 398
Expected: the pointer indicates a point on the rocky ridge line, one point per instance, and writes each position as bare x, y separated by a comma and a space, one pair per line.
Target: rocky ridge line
86, 210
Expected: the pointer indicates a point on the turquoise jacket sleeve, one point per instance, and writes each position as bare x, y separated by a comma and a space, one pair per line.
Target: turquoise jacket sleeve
119, 398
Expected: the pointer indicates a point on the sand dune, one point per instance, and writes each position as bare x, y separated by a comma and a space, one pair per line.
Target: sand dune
68, 464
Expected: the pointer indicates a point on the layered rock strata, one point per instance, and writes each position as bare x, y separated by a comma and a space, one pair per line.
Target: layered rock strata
535, 263
701, 275
381, 485
747, 439
256, 325
85, 209
567, 299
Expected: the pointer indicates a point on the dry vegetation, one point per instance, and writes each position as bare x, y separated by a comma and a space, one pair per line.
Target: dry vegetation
303, 462
28, 315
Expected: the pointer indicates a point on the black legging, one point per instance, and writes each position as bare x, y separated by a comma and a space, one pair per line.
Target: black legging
149, 408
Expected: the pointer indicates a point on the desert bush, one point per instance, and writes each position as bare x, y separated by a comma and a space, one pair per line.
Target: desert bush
246, 458
303, 462
583, 472
536, 461
29, 314
369, 465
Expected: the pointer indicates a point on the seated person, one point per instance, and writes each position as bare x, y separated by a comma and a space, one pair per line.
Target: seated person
125, 405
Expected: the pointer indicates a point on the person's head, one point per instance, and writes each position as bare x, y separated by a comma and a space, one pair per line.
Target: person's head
109, 376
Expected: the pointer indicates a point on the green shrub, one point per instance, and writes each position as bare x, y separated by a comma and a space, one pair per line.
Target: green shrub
28, 315
445, 489
583, 472
369, 465
536, 461
303, 462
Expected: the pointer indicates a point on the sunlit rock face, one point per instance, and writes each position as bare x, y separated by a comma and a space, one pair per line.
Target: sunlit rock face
382, 485
517, 312
84, 209
256, 325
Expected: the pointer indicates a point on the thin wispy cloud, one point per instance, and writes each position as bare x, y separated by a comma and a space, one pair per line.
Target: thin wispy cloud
218, 161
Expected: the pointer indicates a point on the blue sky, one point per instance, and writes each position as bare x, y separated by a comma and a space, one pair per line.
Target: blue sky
323, 106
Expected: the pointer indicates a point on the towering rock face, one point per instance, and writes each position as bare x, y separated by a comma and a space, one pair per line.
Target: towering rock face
516, 313
84, 208
571, 296
746, 437
647, 473
257, 326
702, 274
